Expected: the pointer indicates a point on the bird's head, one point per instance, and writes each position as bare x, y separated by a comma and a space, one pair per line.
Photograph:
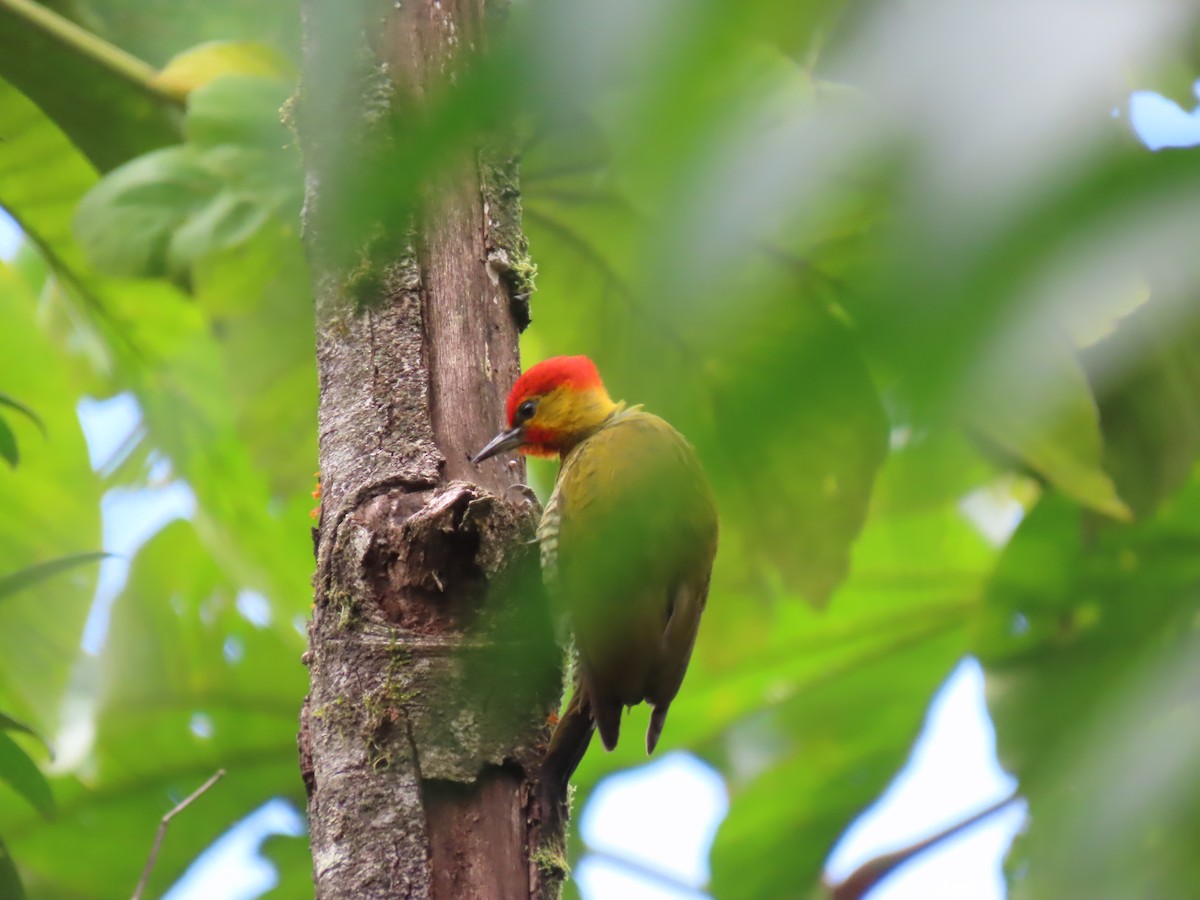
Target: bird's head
552, 407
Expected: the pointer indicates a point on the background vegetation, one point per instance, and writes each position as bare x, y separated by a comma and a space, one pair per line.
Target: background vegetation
874, 259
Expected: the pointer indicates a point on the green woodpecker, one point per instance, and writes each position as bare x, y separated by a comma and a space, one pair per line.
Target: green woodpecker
627, 538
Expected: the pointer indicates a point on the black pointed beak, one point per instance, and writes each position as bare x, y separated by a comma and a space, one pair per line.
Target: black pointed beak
505, 440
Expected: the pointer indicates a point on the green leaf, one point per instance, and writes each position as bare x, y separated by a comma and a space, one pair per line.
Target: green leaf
174, 705
8, 723
218, 423
10, 879
19, 581
8, 445
126, 222
23, 776
6, 400
783, 825
793, 479
161, 33
1090, 649
1149, 403
196, 67
1039, 409
42, 174
93, 97
293, 861
161, 213
253, 290
51, 506
226, 221
804, 702
239, 109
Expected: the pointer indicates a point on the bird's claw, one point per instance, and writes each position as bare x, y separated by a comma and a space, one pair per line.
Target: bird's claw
525, 491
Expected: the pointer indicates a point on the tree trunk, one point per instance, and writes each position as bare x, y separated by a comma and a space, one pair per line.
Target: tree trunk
421, 737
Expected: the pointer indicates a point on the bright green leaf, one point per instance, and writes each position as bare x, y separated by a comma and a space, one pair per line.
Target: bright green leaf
51, 511
198, 66
42, 173
254, 290
822, 749
293, 861
174, 705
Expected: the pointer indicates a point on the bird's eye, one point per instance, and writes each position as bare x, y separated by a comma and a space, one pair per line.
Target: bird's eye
525, 410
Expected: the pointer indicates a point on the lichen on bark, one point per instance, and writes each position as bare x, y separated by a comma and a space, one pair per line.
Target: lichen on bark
507, 246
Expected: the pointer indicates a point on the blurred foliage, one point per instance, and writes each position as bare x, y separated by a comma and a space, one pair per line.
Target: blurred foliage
872, 259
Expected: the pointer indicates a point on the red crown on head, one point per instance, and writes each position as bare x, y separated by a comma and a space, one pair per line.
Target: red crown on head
577, 372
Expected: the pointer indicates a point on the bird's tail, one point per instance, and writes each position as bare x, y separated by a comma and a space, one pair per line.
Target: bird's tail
658, 718
568, 744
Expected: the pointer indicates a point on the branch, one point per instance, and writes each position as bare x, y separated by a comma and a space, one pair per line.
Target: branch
647, 873
89, 46
866, 877
162, 830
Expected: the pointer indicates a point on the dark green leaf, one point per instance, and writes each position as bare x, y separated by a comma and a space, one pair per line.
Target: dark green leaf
11, 403
19, 581
8, 445
8, 723
23, 776
118, 119
10, 880
1149, 403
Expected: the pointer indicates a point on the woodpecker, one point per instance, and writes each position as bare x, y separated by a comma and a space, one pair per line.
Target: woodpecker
627, 540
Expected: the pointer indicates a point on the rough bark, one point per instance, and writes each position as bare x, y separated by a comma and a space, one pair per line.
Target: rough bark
421, 737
